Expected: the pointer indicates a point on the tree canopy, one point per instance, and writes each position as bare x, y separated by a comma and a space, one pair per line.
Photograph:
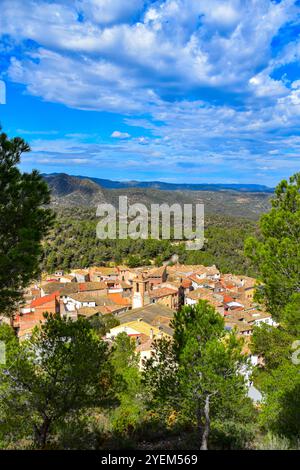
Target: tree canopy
64, 367
276, 254
24, 221
203, 364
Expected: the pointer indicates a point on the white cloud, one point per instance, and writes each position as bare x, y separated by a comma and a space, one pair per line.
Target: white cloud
30, 132
263, 86
120, 135
180, 43
97, 85
110, 11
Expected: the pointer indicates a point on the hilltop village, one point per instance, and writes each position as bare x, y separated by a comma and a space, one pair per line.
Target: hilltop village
142, 299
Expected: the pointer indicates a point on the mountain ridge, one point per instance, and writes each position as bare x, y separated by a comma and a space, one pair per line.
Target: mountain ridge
71, 191
161, 185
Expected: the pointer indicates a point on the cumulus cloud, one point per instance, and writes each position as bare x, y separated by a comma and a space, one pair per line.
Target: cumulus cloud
120, 135
175, 45
264, 86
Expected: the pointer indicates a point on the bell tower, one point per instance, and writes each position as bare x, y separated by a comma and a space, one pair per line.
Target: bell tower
140, 292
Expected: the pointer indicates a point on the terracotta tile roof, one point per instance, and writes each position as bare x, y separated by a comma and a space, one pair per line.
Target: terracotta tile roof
240, 325
153, 314
99, 298
228, 285
104, 270
206, 294
43, 300
252, 316
162, 292
186, 283
196, 279
87, 286
83, 297
200, 293
156, 272
117, 298
63, 288
106, 309
88, 311
180, 269
208, 270
101, 309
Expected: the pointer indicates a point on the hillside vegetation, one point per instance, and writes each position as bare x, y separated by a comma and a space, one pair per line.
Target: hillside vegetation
73, 243
71, 191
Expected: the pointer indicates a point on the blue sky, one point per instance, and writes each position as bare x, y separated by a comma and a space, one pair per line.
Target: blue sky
170, 90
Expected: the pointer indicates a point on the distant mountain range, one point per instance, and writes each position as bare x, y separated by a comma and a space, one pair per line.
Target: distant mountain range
109, 184
236, 200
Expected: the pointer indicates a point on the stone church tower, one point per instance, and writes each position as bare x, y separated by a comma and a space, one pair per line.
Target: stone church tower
140, 292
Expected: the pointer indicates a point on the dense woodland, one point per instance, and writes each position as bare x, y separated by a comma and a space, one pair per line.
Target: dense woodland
72, 243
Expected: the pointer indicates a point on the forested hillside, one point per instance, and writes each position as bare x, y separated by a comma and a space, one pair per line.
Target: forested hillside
73, 243
70, 191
